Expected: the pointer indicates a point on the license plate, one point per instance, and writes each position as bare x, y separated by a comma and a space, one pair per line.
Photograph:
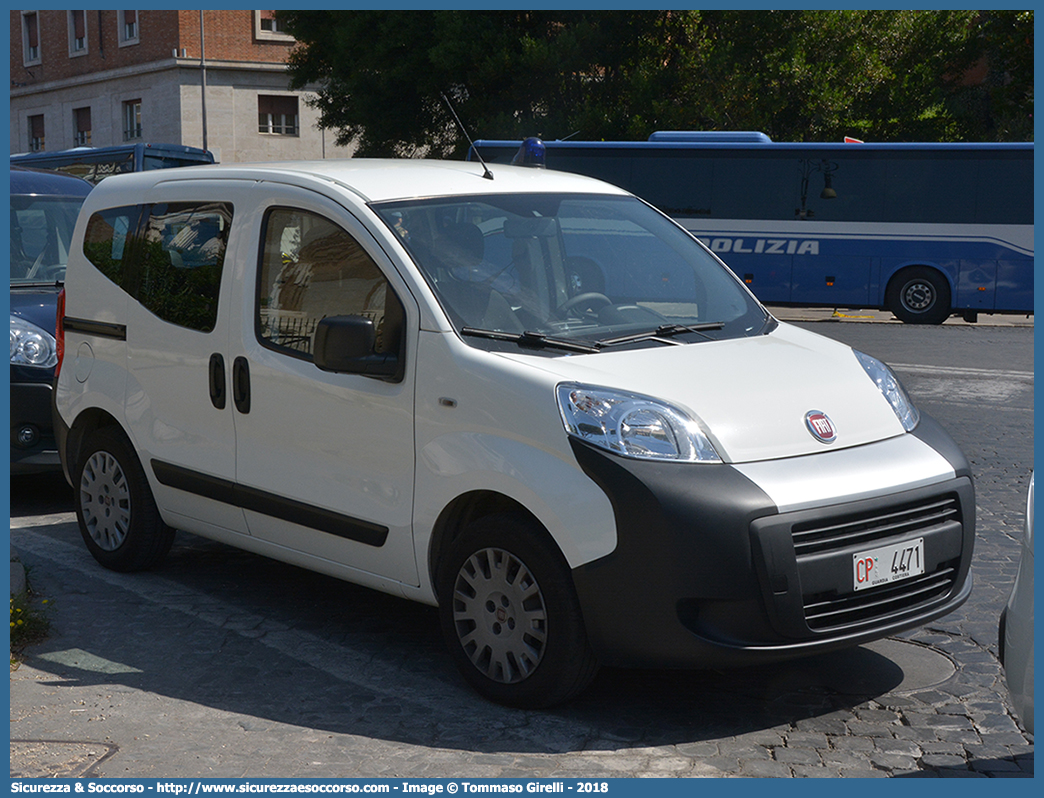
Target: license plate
887, 564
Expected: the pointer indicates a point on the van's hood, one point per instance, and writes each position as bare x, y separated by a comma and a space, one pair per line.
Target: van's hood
751, 394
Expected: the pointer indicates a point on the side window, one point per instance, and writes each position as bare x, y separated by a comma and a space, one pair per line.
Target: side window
311, 269
183, 252
105, 244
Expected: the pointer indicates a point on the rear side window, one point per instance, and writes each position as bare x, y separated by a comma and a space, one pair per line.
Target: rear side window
105, 243
183, 251
171, 262
311, 269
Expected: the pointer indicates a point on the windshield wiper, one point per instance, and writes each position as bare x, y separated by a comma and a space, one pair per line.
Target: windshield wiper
31, 284
531, 339
665, 331
540, 341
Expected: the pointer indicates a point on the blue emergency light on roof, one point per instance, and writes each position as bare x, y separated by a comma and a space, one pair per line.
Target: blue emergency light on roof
531, 153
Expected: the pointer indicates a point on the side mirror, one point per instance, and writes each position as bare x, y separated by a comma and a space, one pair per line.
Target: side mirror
345, 344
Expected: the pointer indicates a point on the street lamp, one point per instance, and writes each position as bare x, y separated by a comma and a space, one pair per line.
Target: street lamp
203, 76
808, 166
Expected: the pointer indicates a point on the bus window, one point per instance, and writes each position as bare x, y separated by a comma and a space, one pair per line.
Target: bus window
837, 224
94, 164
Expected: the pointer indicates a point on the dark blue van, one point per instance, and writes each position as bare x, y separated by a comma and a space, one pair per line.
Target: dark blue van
44, 206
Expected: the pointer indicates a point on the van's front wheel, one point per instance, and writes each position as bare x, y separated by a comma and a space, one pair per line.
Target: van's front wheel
117, 514
510, 616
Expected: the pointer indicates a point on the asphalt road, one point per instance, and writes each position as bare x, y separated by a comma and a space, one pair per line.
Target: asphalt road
224, 664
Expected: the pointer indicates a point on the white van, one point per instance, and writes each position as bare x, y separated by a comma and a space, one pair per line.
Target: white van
528, 398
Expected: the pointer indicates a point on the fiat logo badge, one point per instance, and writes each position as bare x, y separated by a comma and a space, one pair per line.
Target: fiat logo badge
820, 425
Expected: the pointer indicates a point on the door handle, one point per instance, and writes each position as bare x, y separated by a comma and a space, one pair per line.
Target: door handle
217, 381
241, 384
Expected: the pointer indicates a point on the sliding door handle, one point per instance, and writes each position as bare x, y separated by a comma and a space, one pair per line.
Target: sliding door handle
241, 384
217, 381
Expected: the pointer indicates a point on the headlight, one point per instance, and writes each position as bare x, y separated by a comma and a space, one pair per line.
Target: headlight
31, 345
633, 425
891, 389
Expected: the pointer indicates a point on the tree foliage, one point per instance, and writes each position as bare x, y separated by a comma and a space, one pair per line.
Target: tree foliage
796, 75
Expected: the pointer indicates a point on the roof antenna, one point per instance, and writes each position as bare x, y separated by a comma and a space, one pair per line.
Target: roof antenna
486, 173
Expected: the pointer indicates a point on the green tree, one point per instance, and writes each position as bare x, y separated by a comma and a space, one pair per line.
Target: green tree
796, 75
814, 75
998, 104
382, 74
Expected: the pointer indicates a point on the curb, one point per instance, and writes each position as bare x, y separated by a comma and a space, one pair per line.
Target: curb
793, 313
18, 584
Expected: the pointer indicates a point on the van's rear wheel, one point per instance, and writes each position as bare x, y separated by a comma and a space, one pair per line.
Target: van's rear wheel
117, 514
919, 295
510, 615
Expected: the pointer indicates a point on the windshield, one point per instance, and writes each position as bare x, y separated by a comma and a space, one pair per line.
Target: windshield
41, 232
578, 268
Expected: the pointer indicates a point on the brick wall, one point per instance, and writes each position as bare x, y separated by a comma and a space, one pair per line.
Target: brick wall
229, 37
244, 61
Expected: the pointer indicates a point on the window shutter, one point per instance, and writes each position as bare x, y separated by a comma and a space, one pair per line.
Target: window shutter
31, 30
267, 104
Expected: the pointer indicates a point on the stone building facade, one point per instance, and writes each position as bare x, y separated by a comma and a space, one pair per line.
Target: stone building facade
109, 77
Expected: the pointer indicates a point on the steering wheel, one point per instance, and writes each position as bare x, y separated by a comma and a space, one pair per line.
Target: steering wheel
48, 273
584, 300
41, 270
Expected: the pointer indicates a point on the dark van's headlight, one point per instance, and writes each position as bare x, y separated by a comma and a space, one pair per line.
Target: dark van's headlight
633, 425
31, 345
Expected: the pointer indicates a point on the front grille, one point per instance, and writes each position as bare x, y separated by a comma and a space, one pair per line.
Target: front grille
858, 530
827, 612
838, 537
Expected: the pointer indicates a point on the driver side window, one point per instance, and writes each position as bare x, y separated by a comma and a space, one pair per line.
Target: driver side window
312, 269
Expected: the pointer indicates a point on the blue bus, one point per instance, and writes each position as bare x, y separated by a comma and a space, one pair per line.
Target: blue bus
93, 164
923, 230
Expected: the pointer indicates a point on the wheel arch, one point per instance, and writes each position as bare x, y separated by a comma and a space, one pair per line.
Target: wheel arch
465, 510
895, 273
87, 422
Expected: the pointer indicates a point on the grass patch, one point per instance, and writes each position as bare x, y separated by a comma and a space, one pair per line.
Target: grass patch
29, 623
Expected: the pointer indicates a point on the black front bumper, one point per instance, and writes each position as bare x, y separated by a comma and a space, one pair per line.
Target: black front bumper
708, 573
31, 411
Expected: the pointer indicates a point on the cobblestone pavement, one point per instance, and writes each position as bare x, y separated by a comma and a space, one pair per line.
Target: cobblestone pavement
223, 664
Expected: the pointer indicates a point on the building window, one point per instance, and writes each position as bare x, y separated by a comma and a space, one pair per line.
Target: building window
267, 27
77, 32
128, 23
131, 120
82, 127
30, 38
36, 133
277, 115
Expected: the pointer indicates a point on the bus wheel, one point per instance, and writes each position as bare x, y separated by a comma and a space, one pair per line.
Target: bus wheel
919, 295
510, 616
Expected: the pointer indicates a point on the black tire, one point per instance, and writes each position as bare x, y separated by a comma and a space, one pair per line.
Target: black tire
510, 616
919, 295
117, 514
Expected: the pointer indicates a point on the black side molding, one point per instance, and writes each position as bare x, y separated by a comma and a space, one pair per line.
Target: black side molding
102, 329
270, 504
